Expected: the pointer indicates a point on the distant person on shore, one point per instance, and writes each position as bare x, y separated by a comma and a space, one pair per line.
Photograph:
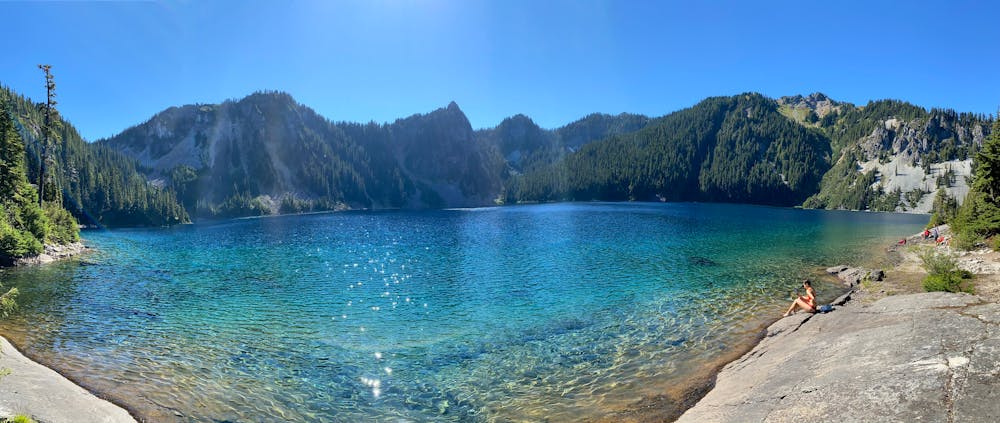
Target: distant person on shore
934, 233
927, 233
805, 302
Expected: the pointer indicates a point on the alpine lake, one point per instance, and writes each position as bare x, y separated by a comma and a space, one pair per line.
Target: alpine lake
559, 312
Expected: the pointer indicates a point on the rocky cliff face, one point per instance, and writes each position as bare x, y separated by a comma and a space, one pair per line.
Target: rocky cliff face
897, 151
940, 136
922, 155
818, 103
264, 146
440, 153
265, 152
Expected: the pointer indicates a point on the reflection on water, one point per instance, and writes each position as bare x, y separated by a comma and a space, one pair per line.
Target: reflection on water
516, 313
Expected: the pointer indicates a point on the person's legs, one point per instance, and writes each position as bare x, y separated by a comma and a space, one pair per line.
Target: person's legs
790, 309
804, 305
797, 303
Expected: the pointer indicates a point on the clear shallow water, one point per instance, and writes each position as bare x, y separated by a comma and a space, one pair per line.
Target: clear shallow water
561, 311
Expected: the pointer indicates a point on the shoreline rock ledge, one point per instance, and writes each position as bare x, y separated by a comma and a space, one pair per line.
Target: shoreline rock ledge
52, 253
921, 357
47, 396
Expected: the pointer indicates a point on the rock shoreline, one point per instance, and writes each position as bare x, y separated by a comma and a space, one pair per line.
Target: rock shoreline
40, 392
46, 396
901, 358
52, 253
917, 357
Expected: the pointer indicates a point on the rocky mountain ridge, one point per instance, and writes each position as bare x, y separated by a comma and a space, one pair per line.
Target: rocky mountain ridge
900, 152
817, 103
266, 154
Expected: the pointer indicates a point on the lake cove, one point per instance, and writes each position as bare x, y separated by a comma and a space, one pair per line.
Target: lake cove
564, 311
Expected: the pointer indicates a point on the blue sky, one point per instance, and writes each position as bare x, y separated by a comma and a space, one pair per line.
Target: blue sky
118, 63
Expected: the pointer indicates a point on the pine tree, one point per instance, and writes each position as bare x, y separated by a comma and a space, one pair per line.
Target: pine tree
11, 156
48, 130
987, 180
979, 216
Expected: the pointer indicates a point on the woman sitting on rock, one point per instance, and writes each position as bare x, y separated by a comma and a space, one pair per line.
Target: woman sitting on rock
806, 302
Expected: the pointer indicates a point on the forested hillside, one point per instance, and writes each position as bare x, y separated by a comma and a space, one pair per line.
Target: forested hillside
97, 184
738, 149
526, 146
892, 154
244, 158
25, 225
438, 157
887, 155
266, 154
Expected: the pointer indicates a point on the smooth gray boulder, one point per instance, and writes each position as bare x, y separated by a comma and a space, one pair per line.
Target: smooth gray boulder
47, 396
921, 357
851, 276
836, 269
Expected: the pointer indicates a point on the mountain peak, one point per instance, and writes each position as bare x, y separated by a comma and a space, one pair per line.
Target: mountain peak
811, 101
267, 95
816, 102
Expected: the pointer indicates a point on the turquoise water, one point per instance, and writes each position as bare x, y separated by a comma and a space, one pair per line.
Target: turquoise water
561, 311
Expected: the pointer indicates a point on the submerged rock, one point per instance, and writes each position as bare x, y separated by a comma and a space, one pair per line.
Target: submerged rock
836, 269
701, 261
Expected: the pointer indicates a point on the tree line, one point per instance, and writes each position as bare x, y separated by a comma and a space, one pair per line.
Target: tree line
96, 184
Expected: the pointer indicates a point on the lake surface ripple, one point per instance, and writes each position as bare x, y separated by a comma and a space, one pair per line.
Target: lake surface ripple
559, 311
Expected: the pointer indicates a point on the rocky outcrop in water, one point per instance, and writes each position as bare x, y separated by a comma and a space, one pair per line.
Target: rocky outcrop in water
52, 253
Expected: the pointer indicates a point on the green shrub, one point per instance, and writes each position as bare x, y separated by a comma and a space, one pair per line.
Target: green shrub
949, 282
938, 263
63, 228
978, 219
966, 239
34, 220
995, 243
16, 244
8, 302
20, 418
943, 273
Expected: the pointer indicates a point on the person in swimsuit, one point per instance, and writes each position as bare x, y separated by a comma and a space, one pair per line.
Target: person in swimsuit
806, 302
